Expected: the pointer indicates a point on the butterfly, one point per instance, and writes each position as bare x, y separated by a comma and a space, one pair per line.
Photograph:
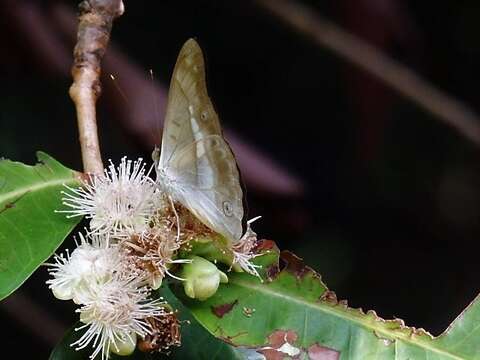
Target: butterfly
196, 166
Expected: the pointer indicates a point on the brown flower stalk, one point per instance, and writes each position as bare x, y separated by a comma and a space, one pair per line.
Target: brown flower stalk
95, 23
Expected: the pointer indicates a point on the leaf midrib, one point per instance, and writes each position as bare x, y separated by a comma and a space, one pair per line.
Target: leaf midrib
12, 195
336, 312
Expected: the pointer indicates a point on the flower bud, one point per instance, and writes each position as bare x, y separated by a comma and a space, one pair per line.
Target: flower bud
89, 263
63, 291
155, 282
202, 278
124, 346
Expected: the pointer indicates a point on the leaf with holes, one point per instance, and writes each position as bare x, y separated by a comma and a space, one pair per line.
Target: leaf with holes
292, 314
30, 230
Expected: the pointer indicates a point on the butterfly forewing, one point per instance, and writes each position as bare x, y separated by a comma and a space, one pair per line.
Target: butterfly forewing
194, 155
187, 99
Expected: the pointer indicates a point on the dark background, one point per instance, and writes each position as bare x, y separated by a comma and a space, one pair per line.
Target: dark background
386, 198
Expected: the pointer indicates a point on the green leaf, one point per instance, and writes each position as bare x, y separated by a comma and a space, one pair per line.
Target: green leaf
462, 337
30, 230
292, 313
197, 343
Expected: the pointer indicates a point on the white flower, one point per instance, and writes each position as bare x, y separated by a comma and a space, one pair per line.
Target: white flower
120, 202
115, 313
90, 262
243, 250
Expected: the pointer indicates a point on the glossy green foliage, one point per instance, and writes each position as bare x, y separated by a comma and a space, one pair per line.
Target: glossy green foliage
30, 230
292, 314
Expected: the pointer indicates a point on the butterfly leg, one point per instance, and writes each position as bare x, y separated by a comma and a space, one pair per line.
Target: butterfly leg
176, 217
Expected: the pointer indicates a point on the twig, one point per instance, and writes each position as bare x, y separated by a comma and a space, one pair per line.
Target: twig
373, 61
95, 23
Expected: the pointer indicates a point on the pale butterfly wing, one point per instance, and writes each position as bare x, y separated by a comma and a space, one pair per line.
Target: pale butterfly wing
198, 164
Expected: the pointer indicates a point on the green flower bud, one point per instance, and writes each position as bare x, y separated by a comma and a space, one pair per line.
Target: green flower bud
125, 346
202, 278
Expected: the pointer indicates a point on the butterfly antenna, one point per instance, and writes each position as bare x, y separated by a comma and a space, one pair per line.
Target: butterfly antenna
119, 89
155, 106
176, 216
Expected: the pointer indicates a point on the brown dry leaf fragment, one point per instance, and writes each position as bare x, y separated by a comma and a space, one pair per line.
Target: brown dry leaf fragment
294, 264
318, 352
280, 346
223, 309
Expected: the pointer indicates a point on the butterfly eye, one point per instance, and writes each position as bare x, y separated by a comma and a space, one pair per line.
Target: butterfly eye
204, 115
227, 208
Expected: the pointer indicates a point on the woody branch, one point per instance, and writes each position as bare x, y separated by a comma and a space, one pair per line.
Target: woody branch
95, 23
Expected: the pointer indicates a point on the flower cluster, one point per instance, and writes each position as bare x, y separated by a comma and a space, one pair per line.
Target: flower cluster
137, 236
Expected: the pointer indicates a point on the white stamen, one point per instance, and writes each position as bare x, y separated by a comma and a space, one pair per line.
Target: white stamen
119, 202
